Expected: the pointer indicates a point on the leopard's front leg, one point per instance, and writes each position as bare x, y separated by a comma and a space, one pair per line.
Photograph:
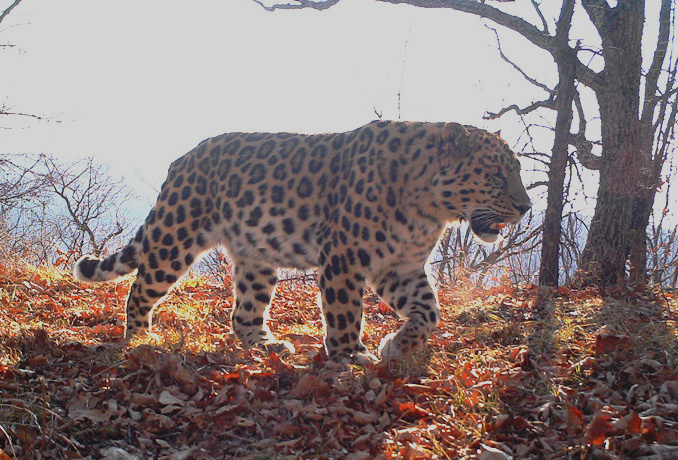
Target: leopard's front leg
254, 288
341, 288
411, 295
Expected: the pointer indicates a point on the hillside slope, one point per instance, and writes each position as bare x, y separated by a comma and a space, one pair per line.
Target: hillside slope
510, 373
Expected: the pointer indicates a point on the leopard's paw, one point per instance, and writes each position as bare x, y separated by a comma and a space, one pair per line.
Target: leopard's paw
388, 349
276, 346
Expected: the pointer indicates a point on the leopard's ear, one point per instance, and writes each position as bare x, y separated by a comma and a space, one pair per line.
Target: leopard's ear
456, 140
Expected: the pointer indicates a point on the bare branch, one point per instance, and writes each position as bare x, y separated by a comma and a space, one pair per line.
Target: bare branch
597, 11
584, 152
584, 147
653, 73
544, 24
666, 136
8, 10
548, 103
537, 184
536, 36
299, 4
517, 68
19, 114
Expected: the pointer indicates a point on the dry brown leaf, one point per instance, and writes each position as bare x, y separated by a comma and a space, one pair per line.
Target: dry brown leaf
670, 388
363, 418
630, 423
309, 384
288, 429
509, 423
143, 400
655, 429
182, 375
95, 415
596, 431
144, 356
607, 343
574, 419
166, 398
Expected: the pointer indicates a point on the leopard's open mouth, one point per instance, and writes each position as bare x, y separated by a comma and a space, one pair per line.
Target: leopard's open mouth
486, 225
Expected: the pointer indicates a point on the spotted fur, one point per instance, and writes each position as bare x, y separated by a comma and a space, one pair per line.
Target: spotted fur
366, 206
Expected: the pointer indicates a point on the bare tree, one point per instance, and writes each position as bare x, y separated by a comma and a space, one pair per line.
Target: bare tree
23, 200
631, 122
53, 211
89, 215
18, 180
566, 60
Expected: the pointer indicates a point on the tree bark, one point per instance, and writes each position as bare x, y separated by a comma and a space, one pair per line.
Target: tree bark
624, 166
645, 202
566, 60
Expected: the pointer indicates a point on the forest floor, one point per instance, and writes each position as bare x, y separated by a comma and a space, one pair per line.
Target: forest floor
510, 373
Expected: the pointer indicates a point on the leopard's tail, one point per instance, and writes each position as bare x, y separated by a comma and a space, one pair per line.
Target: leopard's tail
125, 261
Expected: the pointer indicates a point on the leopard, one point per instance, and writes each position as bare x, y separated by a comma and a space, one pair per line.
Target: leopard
364, 208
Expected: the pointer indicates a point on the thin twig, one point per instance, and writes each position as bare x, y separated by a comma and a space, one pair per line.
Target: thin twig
516, 67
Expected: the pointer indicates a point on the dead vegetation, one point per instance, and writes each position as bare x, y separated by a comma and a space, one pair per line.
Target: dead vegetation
511, 373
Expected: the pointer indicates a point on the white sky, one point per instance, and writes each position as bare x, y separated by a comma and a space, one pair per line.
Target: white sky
138, 84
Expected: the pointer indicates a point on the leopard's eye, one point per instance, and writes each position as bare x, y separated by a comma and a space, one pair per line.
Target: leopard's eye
497, 173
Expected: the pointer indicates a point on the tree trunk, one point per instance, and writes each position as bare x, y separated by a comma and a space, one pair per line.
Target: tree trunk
566, 59
645, 202
623, 168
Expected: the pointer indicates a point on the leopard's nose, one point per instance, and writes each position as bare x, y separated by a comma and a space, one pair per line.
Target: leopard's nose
523, 208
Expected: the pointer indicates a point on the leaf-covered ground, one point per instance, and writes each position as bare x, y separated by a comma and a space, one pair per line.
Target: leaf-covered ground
510, 373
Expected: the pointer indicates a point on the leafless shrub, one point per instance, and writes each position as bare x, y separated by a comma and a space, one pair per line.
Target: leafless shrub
88, 215
23, 200
572, 241
662, 243
53, 212
459, 257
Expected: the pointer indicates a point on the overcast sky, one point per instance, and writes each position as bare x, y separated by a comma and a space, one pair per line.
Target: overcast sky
139, 83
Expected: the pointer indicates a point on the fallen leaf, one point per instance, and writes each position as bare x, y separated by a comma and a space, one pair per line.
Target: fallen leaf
655, 429
574, 419
95, 415
509, 423
630, 423
363, 418
182, 375
596, 431
309, 384
606, 343
143, 356
166, 398
492, 453
411, 410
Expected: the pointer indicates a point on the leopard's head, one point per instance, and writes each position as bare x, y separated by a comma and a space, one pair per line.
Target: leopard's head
479, 181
